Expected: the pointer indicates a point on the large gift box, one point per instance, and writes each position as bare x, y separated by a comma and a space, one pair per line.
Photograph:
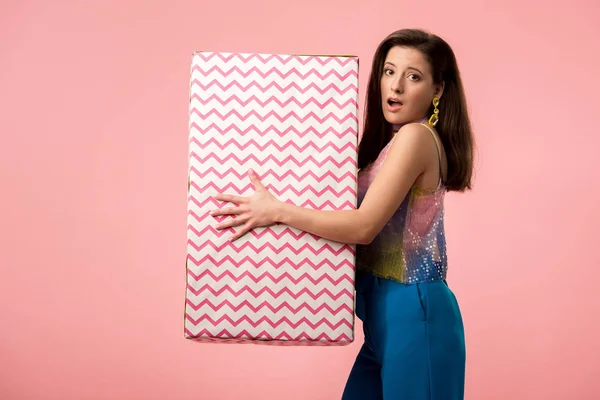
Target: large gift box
293, 119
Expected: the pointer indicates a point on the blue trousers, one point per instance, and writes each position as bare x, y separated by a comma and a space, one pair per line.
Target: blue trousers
414, 345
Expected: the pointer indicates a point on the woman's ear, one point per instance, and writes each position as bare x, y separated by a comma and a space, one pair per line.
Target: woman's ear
439, 90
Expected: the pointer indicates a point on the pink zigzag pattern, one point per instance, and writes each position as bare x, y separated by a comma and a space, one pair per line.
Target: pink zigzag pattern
233, 128
274, 99
247, 260
266, 305
200, 218
278, 192
273, 158
281, 118
209, 289
265, 335
347, 205
265, 275
290, 173
284, 60
287, 246
308, 203
256, 234
230, 264
264, 319
264, 341
208, 200
271, 143
274, 71
274, 85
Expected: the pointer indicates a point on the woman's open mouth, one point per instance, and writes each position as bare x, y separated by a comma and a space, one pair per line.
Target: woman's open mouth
393, 104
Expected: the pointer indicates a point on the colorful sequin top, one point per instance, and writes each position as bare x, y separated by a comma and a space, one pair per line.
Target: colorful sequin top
411, 247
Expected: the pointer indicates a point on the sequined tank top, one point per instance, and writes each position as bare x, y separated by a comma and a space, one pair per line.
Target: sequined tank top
411, 247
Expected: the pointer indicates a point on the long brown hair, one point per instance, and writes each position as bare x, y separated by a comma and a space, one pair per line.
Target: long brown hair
453, 127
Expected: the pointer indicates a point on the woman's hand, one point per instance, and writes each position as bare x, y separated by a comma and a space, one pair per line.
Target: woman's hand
255, 211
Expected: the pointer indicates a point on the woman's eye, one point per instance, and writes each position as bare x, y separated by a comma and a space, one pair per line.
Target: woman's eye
388, 71
413, 77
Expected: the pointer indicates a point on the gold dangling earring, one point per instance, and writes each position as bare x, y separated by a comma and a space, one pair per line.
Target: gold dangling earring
435, 117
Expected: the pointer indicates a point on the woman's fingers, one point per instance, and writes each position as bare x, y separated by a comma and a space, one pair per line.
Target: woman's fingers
254, 179
245, 229
246, 211
228, 211
231, 198
232, 222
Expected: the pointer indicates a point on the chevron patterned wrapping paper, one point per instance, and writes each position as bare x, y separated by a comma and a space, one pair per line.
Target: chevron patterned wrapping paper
293, 120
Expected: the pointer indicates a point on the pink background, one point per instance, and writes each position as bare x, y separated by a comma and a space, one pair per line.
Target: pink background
93, 164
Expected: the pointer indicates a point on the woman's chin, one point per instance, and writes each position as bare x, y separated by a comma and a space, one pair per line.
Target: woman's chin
398, 120
395, 120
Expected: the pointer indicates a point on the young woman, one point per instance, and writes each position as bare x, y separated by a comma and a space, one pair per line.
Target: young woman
416, 146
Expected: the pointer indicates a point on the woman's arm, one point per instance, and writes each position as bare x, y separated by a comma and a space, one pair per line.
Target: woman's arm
406, 161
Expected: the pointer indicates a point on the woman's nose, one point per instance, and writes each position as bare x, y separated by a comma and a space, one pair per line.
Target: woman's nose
397, 85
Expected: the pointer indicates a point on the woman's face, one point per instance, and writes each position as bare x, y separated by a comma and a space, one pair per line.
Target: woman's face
407, 87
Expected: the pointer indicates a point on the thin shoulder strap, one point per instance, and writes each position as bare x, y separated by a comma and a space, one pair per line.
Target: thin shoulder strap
439, 150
